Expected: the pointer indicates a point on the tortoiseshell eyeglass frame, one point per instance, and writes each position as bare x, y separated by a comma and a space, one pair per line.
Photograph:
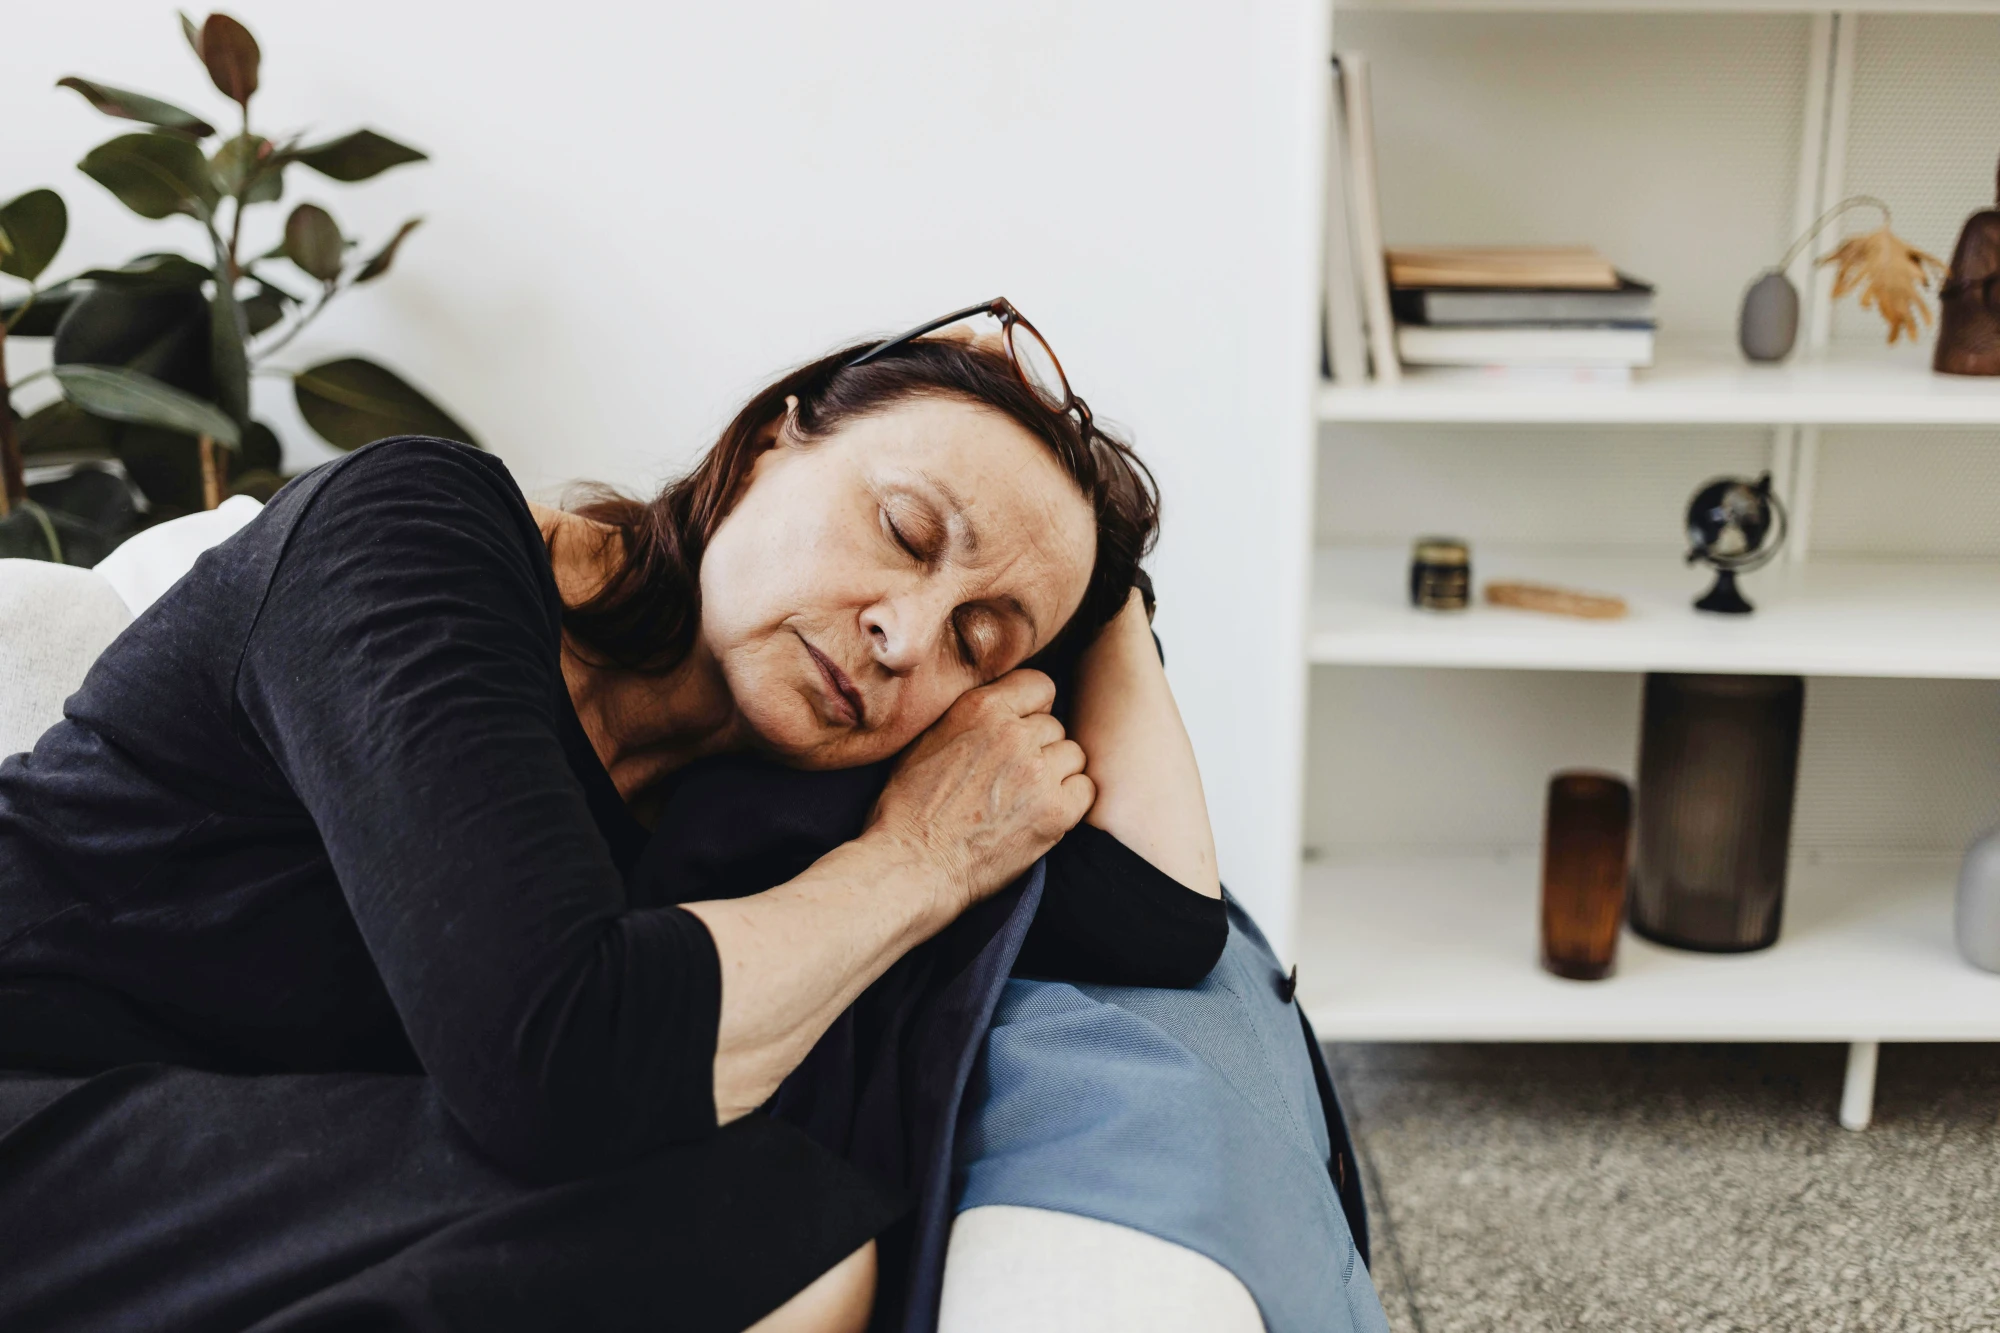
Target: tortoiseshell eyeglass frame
1013, 325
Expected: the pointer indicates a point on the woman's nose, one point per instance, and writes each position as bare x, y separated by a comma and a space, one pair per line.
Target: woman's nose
902, 631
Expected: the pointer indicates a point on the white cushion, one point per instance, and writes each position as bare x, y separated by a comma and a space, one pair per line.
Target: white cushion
148, 563
54, 621
1012, 1269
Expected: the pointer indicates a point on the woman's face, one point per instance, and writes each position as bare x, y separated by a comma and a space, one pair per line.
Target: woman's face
865, 581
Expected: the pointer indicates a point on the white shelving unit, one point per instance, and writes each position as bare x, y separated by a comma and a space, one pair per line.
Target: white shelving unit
1702, 383
1904, 619
1689, 141
1408, 947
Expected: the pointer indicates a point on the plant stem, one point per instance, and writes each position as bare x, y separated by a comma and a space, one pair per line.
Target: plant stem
211, 474
27, 304
1854, 201
327, 293
235, 240
13, 478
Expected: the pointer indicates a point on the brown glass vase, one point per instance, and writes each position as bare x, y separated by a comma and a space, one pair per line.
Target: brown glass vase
1585, 839
1718, 768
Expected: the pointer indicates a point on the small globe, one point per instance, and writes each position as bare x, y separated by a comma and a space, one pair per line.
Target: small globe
1733, 525
1728, 522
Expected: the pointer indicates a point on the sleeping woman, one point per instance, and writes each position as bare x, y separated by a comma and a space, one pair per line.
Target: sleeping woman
358, 967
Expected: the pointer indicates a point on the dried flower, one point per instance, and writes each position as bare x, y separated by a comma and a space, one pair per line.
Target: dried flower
1890, 274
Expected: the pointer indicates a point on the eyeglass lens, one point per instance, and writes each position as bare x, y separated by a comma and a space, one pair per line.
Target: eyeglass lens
1039, 366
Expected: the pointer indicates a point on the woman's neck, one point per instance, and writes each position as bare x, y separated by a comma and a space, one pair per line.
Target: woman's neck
642, 725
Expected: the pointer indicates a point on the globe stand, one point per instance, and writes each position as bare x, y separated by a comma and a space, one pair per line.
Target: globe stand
1724, 597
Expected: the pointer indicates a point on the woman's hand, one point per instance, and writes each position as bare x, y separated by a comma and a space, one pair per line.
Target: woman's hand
991, 786
988, 789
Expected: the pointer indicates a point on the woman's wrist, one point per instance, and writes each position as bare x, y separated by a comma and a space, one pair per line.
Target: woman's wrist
928, 880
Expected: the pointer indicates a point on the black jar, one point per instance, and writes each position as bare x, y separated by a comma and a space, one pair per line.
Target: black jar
1718, 768
1440, 574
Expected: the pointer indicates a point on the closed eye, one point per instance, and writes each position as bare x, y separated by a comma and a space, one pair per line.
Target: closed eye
897, 536
965, 650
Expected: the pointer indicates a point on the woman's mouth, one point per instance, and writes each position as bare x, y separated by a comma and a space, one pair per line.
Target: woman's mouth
844, 695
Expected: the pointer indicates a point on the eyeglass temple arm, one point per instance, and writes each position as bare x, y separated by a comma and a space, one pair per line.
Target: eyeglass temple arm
996, 306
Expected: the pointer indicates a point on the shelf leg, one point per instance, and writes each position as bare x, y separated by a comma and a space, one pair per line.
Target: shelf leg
1857, 1096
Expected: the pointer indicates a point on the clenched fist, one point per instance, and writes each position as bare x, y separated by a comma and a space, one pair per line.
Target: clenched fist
989, 788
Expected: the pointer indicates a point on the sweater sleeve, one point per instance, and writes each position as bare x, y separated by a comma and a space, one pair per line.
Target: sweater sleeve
403, 674
1110, 916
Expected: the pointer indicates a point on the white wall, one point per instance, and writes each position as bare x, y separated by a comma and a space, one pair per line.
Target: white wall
637, 212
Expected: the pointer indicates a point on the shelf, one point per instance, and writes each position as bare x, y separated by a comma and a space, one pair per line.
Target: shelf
1694, 384
1926, 619
1444, 949
1670, 6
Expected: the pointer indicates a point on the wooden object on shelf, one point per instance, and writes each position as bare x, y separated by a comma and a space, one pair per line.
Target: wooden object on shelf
1969, 326
1523, 596
1586, 839
1538, 268
1366, 216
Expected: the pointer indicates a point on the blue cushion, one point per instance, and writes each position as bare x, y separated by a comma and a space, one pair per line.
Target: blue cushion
1189, 1114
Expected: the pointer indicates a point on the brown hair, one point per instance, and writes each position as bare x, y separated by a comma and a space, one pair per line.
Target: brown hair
646, 614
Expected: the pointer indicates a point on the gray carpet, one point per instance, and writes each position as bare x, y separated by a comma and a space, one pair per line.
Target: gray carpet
1560, 1187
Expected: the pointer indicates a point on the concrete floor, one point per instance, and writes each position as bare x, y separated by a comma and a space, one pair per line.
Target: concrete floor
1518, 1189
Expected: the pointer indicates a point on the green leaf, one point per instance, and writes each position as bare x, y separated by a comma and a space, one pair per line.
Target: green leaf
267, 186
126, 395
166, 465
92, 509
45, 312
34, 225
351, 402
239, 163
262, 309
163, 334
379, 265
191, 32
312, 241
29, 533
260, 449
127, 105
232, 57
154, 175
227, 360
249, 167
64, 428
153, 273
357, 156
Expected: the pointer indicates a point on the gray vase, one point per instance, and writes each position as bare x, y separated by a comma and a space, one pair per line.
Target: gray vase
1976, 925
1770, 321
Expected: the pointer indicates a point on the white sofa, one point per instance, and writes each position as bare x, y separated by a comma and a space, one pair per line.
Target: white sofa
1008, 1269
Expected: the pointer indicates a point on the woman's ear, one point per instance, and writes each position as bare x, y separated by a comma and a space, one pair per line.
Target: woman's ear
780, 426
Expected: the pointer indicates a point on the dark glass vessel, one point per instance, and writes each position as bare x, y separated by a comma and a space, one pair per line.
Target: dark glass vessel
1585, 844
1718, 768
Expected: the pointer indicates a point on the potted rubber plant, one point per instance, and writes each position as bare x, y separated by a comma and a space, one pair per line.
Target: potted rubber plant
151, 361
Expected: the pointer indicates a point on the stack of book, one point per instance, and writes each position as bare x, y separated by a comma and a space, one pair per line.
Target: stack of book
1482, 311
1519, 311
